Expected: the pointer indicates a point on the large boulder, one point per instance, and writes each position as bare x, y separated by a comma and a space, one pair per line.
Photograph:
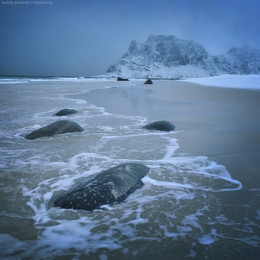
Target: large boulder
160, 126
65, 112
59, 127
107, 187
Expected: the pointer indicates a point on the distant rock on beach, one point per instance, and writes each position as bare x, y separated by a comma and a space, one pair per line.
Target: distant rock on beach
160, 126
122, 79
59, 127
148, 81
65, 112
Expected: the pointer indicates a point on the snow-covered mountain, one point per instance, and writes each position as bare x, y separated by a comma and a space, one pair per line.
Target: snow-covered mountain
240, 61
169, 57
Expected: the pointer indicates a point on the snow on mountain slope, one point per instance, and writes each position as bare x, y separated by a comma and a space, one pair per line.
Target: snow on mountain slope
229, 81
240, 61
169, 57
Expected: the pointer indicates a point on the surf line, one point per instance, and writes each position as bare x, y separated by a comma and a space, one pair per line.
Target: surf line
148, 180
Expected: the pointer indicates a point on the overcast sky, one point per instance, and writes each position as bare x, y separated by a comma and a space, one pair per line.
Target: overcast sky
84, 37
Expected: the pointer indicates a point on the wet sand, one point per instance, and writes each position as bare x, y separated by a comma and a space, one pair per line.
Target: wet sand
221, 123
209, 218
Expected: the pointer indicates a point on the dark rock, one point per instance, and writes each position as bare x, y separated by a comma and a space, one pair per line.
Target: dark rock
59, 127
160, 125
121, 79
65, 112
106, 187
148, 81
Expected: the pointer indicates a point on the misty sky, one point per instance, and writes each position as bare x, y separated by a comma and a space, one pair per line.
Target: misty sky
84, 37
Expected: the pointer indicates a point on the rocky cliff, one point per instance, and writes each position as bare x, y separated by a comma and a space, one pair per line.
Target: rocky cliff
169, 57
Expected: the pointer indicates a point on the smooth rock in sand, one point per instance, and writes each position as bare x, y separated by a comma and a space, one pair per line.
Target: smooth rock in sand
59, 127
106, 187
65, 112
121, 79
160, 125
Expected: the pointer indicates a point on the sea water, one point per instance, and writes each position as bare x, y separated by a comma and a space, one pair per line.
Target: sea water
177, 212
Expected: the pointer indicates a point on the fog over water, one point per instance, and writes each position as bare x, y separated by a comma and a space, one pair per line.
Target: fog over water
82, 38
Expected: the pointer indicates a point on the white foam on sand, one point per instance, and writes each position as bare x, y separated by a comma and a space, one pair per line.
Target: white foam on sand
229, 81
26, 80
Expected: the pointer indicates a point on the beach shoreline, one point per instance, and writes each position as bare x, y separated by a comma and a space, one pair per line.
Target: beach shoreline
220, 123
202, 190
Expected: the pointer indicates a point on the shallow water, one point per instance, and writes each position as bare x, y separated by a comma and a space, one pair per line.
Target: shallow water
178, 212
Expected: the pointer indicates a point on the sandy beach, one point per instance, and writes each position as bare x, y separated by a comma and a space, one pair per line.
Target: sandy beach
221, 123
200, 199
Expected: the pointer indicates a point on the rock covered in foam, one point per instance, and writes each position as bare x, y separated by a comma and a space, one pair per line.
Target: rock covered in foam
59, 127
160, 126
109, 186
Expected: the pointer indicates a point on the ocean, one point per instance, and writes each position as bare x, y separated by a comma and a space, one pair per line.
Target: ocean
177, 214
